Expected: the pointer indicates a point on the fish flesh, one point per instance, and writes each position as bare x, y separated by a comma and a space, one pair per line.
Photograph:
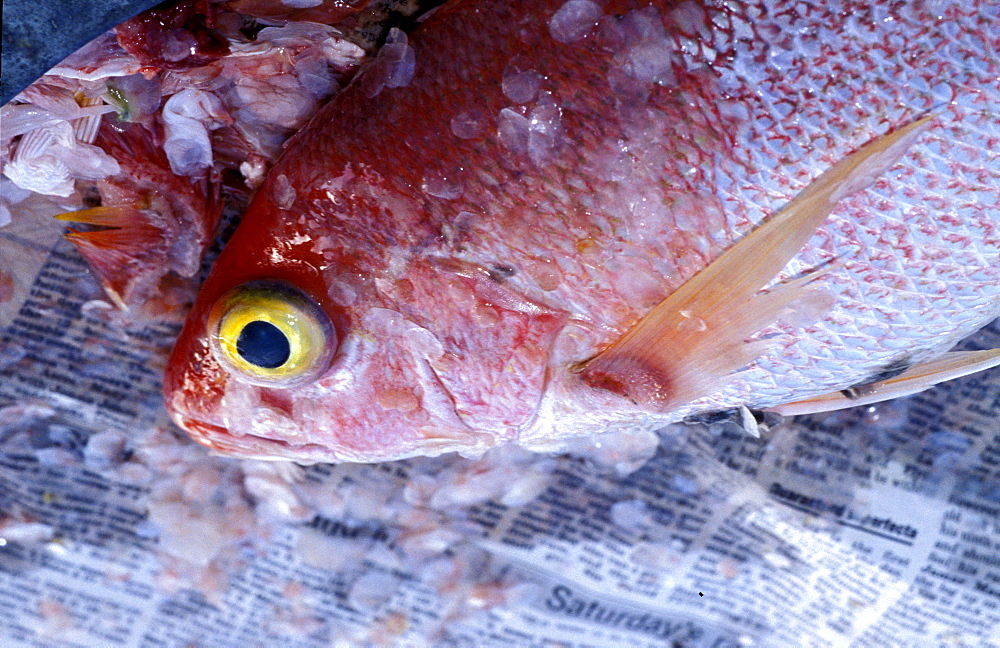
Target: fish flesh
526, 222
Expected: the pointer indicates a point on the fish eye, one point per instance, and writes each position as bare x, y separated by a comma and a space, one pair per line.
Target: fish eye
271, 334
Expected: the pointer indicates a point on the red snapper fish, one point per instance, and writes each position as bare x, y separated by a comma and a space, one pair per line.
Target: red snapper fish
532, 221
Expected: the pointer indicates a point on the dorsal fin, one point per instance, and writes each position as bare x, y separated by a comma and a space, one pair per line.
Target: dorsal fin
690, 344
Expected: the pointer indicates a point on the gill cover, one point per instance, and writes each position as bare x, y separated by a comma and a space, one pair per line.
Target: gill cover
270, 334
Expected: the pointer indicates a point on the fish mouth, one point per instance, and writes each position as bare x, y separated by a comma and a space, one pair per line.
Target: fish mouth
249, 446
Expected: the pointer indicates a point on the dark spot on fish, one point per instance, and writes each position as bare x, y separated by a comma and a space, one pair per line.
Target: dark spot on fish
891, 370
500, 272
91, 197
250, 28
766, 420
707, 418
887, 372
235, 206
375, 21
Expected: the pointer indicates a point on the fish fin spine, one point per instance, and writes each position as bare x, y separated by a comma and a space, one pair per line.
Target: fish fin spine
916, 379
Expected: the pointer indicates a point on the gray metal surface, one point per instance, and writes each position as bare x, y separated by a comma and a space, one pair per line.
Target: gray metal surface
37, 34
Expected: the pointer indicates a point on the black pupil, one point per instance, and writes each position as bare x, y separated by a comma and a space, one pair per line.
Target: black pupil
263, 344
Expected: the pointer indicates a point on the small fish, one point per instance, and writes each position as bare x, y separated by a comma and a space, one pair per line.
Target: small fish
532, 221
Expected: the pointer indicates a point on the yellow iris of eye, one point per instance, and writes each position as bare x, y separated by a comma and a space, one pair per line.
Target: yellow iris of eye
270, 334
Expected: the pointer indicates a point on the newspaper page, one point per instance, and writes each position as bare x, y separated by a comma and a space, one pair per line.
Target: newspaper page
878, 526
873, 526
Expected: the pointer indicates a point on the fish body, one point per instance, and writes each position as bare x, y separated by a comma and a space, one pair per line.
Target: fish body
473, 224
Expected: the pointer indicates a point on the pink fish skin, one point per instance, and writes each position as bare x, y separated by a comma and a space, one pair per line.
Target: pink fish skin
553, 170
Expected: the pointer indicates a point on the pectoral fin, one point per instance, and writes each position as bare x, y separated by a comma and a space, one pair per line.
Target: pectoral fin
107, 216
915, 379
691, 343
126, 236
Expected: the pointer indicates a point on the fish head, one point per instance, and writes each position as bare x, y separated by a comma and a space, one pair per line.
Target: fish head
306, 345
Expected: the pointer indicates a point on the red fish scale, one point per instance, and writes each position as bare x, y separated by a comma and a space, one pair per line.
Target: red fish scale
759, 99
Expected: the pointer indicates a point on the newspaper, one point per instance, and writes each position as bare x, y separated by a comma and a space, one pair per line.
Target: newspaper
873, 526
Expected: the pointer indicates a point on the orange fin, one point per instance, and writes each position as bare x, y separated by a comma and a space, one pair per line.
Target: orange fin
127, 236
112, 254
915, 379
107, 216
694, 340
